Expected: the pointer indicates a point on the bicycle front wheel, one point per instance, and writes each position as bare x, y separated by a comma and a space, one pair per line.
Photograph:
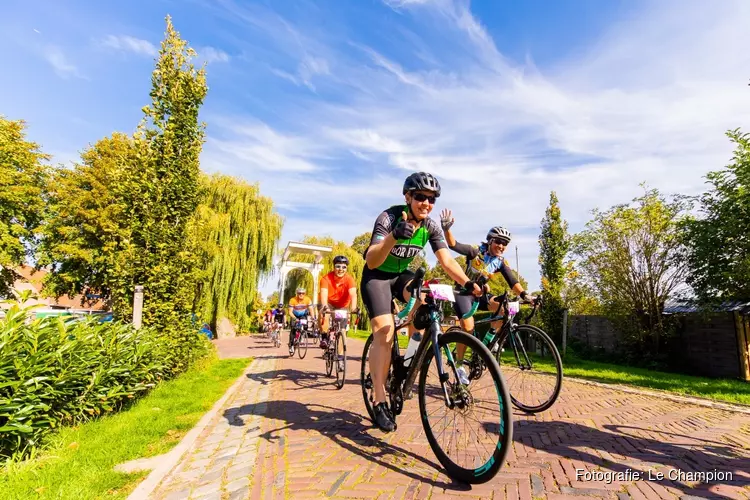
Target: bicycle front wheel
471, 439
533, 368
302, 349
340, 357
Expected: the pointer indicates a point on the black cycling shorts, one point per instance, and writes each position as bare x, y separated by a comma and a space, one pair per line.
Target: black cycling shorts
463, 304
379, 288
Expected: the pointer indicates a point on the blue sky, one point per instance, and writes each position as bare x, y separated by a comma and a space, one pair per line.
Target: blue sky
331, 104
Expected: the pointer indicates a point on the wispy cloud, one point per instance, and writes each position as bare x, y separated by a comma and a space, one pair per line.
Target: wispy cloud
62, 66
211, 54
500, 134
128, 43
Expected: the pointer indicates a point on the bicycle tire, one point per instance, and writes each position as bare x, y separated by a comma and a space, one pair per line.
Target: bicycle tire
558, 363
488, 470
329, 360
340, 361
302, 348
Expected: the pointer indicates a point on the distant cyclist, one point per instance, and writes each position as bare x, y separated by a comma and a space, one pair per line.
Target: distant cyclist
300, 307
338, 290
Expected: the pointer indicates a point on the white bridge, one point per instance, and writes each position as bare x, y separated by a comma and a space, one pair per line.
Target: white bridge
286, 265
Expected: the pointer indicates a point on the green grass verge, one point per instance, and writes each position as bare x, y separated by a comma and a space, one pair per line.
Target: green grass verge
79, 461
403, 340
728, 390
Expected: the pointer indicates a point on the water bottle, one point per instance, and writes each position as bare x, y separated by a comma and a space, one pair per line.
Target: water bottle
488, 337
411, 349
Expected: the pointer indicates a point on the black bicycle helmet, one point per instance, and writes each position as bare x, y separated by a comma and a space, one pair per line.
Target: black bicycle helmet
340, 259
422, 181
500, 233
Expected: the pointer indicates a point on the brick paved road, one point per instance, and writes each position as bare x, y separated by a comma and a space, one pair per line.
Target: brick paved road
316, 442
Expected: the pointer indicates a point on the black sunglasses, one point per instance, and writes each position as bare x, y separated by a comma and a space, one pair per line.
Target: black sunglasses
421, 197
498, 241
340, 266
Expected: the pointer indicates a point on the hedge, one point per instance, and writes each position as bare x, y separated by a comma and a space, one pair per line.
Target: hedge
55, 371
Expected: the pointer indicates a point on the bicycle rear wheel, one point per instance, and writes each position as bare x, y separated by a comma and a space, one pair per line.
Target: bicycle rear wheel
340, 359
473, 450
533, 368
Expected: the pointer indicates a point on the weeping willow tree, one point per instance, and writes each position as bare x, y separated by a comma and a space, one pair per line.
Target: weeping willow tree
301, 277
236, 232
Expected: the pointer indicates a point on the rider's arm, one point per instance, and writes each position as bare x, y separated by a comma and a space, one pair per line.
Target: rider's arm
451, 266
381, 243
511, 279
353, 299
467, 250
323, 295
449, 238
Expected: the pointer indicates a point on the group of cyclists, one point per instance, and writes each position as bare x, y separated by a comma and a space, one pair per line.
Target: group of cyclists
400, 233
338, 290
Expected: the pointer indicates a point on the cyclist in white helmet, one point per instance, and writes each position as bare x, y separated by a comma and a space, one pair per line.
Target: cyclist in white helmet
485, 260
299, 307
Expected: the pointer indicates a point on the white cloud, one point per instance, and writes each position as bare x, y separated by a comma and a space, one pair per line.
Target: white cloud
62, 66
130, 44
502, 134
211, 54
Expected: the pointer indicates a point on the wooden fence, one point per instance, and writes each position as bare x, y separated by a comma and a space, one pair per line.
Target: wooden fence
717, 345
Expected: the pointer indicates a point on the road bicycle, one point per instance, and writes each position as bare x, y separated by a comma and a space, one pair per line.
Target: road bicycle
299, 334
335, 352
475, 448
525, 353
275, 330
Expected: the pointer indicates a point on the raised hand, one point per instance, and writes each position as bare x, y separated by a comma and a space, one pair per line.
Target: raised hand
446, 219
404, 229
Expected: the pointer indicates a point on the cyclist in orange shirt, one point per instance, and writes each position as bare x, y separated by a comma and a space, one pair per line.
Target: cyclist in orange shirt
338, 290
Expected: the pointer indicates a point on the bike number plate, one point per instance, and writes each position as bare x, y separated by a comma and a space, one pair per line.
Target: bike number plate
442, 292
340, 313
513, 308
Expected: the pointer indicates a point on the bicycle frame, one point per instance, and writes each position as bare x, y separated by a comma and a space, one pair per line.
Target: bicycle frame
434, 334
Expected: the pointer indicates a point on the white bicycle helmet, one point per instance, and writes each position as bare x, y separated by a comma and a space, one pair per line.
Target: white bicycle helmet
499, 233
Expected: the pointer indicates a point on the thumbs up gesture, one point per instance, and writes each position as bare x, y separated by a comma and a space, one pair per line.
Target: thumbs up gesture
404, 229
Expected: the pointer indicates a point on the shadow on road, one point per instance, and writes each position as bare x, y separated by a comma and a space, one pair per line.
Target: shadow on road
349, 431
641, 454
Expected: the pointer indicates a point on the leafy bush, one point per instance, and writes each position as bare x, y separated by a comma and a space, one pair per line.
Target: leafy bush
55, 371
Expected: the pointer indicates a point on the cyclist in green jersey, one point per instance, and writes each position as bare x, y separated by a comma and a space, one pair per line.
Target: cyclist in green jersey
399, 234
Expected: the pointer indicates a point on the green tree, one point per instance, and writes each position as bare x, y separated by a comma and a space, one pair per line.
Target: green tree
553, 246
632, 258
718, 247
87, 234
22, 198
161, 192
135, 200
577, 294
237, 232
361, 242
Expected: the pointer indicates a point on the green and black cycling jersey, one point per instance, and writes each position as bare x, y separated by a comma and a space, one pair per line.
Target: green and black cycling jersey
404, 251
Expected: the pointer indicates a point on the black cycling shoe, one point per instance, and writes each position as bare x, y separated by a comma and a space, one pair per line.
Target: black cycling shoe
383, 418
